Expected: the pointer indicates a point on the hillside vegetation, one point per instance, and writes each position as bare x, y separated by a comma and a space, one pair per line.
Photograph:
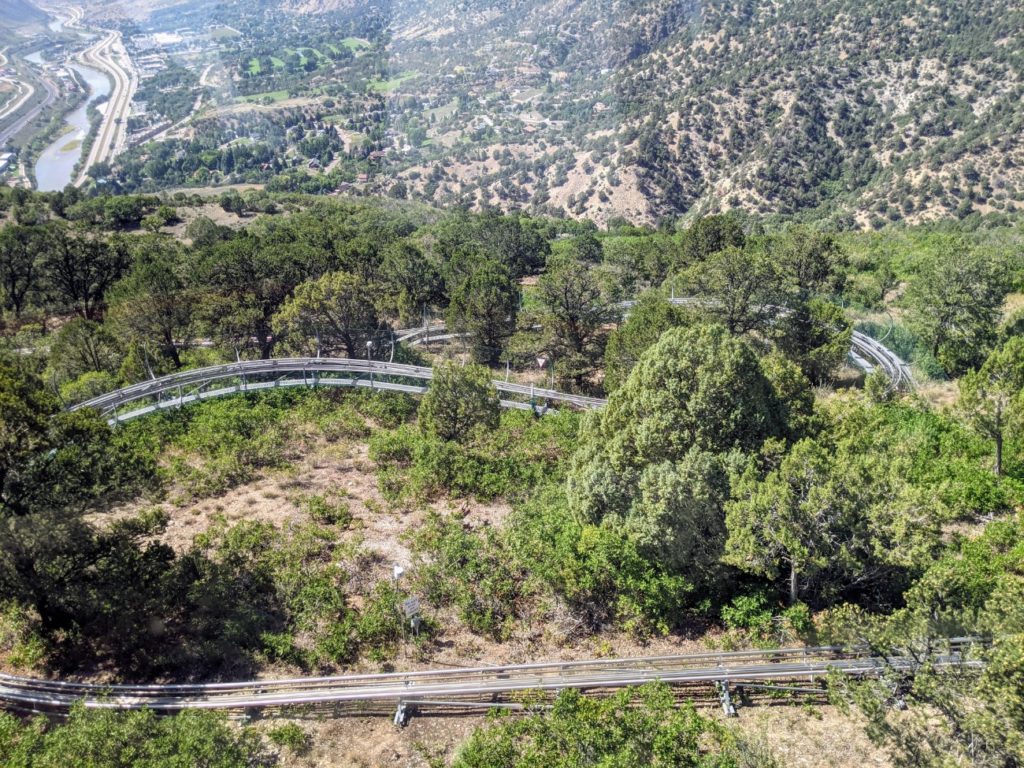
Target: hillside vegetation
855, 113
741, 487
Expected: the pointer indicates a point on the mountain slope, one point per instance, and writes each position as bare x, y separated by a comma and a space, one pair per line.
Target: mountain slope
862, 109
15, 13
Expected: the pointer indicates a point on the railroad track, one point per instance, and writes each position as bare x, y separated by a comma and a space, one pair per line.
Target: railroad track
485, 687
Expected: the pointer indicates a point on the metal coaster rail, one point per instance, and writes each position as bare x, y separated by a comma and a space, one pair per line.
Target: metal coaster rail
255, 375
484, 687
479, 687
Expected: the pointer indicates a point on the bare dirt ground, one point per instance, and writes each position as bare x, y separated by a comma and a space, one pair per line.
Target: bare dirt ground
799, 737
342, 470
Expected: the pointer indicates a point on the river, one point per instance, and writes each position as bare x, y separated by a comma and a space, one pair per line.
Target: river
56, 164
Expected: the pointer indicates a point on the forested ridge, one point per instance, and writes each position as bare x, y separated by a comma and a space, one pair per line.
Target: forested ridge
743, 486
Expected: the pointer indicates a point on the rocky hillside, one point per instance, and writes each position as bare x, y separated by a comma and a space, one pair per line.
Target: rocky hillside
859, 111
862, 109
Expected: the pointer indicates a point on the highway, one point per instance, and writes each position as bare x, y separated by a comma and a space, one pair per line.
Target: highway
112, 134
21, 122
483, 687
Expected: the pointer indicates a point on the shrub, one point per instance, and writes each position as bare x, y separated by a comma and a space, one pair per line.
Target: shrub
292, 736
328, 512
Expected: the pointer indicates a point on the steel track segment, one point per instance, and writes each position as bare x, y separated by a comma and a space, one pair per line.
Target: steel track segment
674, 661
112, 402
776, 660
407, 691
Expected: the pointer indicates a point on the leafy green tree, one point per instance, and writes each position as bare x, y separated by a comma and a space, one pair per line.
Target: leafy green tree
740, 285
512, 241
828, 519
788, 522
992, 399
655, 463
634, 727
82, 346
111, 739
410, 282
647, 320
816, 336
460, 400
333, 312
573, 315
81, 266
484, 303
710, 235
21, 257
151, 306
241, 284
954, 305
586, 248
808, 265
697, 386
960, 714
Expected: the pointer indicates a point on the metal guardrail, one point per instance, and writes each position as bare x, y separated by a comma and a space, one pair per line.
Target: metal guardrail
476, 686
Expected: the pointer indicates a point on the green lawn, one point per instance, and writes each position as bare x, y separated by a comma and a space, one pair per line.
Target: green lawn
220, 33
386, 86
442, 112
278, 63
355, 44
274, 96
254, 66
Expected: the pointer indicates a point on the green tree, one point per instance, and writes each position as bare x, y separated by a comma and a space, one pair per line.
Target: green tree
709, 235
409, 282
82, 346
573, 315
740, 285
332, 312
816, 336
992, 398
241, 284
647, 320
151, 305
808, 265
954, 304
655, 462
21, 258
788, 522
633, 727
829, 518
460, 400
484, 303
110, 739
963, 714
81, 266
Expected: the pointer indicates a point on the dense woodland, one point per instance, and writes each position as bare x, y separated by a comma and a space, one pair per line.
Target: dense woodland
740, 478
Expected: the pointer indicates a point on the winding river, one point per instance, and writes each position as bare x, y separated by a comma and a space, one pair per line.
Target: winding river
56, 164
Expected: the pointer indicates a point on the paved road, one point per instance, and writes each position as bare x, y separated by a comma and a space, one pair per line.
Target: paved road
112, 134
21, 122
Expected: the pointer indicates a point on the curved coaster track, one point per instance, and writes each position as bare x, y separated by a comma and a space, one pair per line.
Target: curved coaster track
799, 670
